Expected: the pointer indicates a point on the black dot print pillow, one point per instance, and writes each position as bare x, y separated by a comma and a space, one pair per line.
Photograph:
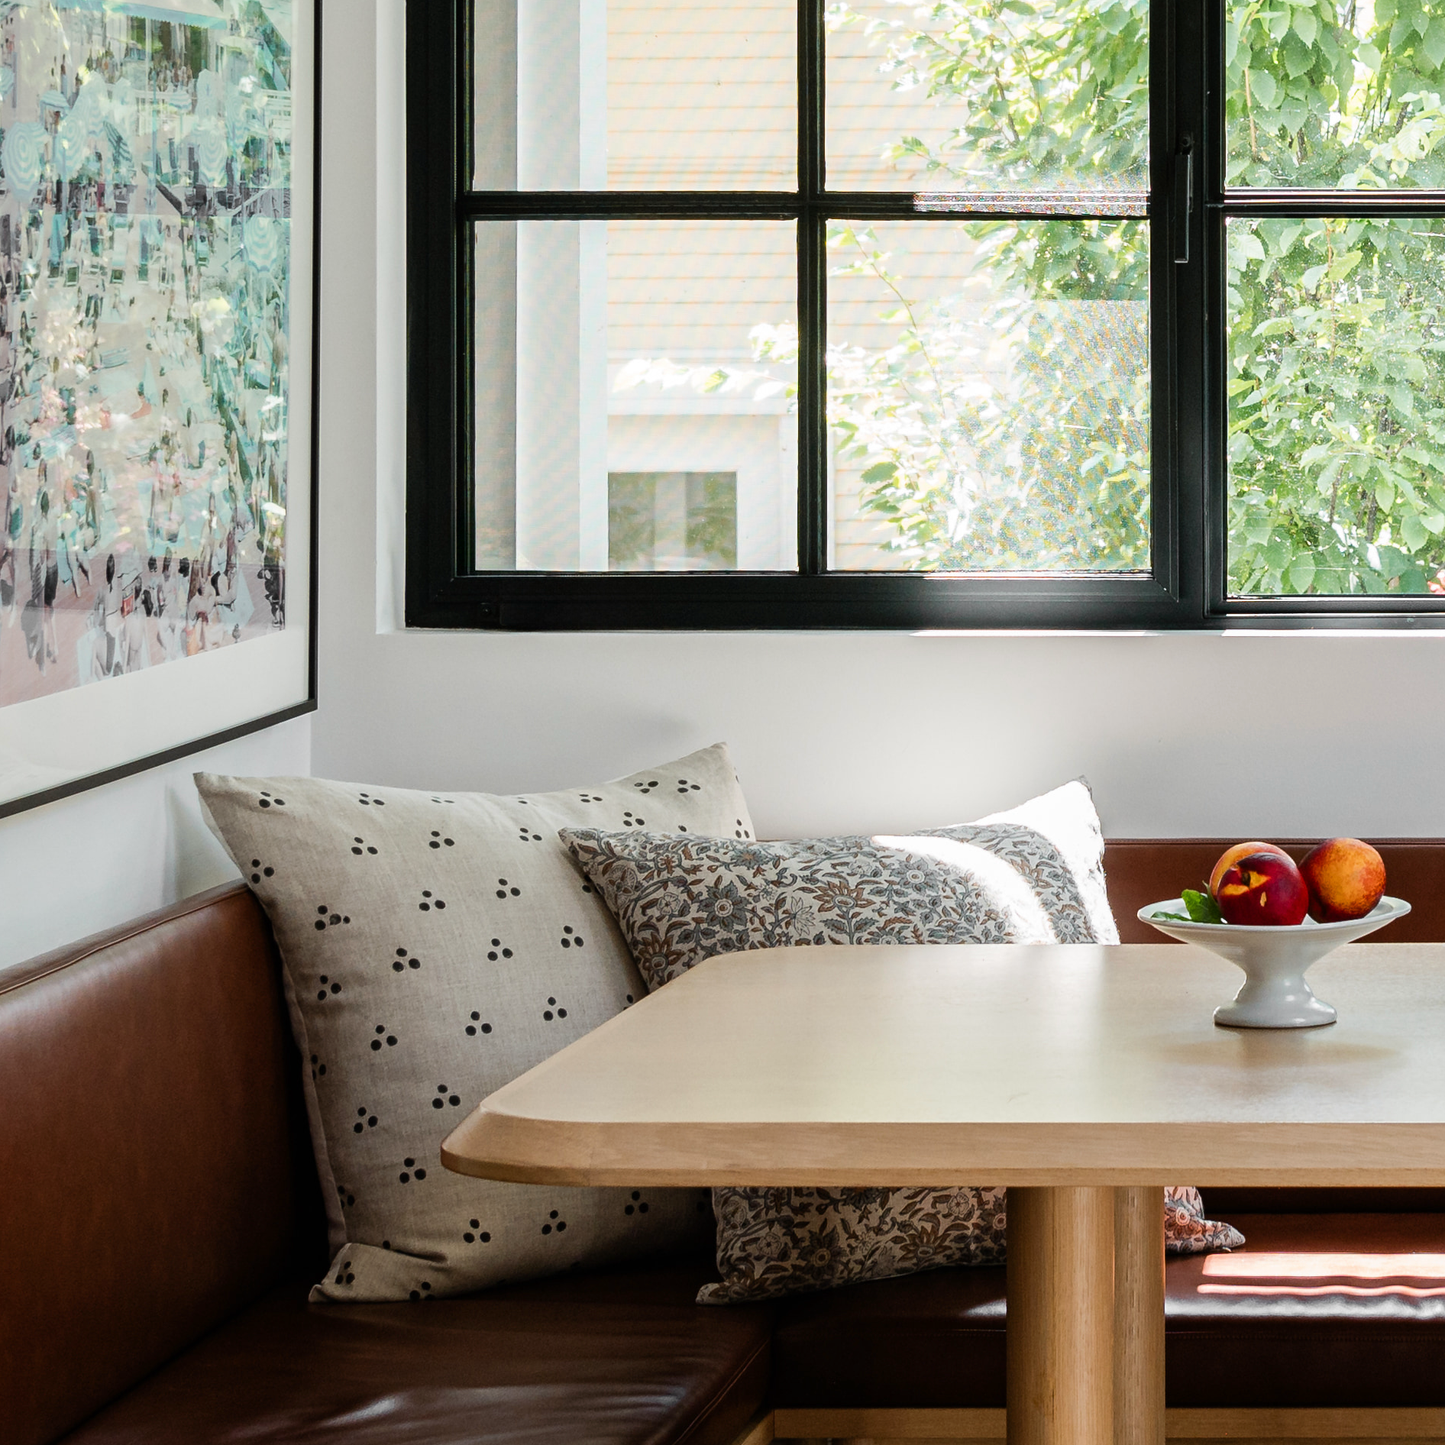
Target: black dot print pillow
436, 945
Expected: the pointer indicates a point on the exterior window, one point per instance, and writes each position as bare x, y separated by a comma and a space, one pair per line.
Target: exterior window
672, 521
867, 313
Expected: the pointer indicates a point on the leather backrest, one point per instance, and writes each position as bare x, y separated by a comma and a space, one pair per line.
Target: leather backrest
150, 1153
1225, 1203
1141, 871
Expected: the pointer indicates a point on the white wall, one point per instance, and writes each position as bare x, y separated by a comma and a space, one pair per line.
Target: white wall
1239, 736
1198, 734
103, 857
1236, 735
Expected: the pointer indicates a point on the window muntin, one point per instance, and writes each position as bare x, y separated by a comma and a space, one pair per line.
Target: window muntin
630, 345
1194, 209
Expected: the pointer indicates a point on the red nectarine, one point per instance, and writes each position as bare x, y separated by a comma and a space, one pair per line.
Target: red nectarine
1263, 888
1234, 854
1345, 878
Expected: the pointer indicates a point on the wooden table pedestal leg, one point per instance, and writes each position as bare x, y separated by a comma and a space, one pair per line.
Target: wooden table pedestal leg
1139, 1316
1061, 1316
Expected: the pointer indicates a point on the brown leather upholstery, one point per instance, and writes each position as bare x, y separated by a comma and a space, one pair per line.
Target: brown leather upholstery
613, 1358
1144, 870
1226, 1203
931, 1341
938, 1339
146, 1153
1298, 1349
158, 1182
158, 1179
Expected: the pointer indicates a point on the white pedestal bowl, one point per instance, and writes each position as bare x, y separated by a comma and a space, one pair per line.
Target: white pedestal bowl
1274, 994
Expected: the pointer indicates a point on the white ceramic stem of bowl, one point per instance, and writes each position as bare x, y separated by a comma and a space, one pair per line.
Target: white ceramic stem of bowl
1274, 995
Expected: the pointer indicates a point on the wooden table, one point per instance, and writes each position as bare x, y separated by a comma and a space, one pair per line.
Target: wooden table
1084, 1078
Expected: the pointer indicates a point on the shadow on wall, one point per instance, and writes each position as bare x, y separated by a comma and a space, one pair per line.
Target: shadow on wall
106, 856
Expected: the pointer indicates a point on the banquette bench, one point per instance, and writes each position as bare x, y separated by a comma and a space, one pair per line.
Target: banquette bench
160, 1223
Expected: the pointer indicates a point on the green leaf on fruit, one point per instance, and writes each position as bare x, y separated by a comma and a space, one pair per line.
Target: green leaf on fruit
1202, 907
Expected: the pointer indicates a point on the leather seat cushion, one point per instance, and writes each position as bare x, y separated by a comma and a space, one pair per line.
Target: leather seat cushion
937, 1340
617, 1357
933, 1340
1318, 1338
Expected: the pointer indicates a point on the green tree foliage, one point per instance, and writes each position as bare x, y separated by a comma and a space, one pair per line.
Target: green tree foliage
1336, 328
955, 459
1042, 465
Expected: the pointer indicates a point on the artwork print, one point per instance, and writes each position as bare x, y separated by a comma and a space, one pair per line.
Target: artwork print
145, 334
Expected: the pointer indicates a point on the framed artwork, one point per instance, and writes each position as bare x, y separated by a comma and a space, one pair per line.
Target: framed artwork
158, 283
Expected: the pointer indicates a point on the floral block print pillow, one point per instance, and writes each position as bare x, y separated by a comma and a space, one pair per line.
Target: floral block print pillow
785, 1241
1033, 875
436, 945
1187, 1231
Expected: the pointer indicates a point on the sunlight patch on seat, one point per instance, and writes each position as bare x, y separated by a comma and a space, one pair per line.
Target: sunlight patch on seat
1266, 1271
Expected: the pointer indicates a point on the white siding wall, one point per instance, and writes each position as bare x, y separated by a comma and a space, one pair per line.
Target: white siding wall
696, 97
701, 97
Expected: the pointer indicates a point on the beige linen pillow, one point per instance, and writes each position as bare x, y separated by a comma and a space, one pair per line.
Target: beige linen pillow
1031, 875
436, 945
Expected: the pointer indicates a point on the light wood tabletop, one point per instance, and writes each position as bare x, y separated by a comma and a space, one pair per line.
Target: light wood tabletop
1084, 1078
1013, 1065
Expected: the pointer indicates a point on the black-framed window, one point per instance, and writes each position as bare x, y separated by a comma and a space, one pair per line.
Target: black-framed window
860, 313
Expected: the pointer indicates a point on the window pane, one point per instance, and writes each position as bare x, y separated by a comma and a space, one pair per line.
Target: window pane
989, 395
1336, 406
635, 408
672, 521
1335, 93
635, 95
972, 95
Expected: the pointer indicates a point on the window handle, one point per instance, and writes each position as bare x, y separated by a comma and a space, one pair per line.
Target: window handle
1183, 199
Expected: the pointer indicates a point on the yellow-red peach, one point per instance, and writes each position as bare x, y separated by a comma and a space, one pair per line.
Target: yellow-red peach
1263, 888
1345, 878
1234, 854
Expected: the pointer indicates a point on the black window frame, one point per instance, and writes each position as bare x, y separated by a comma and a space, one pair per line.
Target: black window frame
1187, 212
